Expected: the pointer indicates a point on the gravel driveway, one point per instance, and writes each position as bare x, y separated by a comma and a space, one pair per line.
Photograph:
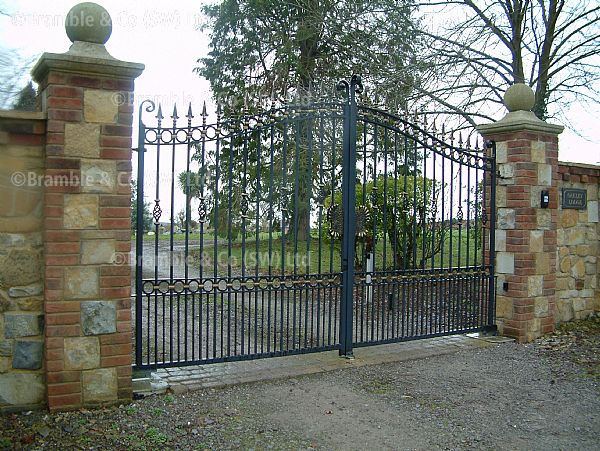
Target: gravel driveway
507, 396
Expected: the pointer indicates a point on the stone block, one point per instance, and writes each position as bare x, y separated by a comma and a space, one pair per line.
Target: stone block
544, 174
592, 191
8, 240
565, 310
34, 289
82, 140
5, 365
567, 218
500, 240
560, 237
562, 283
100, 106
6, 348
584, 249
506, 218
98, 317
578, 304
591, 282
542, 263
80, 211
22, 389
82, 353
30, 304
533, 327
98, 176
544, 219
538, 151
501, 196
100, 385
20, 267
535, 196
592, 209
540, 308
536, 241
506, 171
501, 152
22, 325
577, 268
28, 355
81, 282
574, 236
565, 264
535, 286
95, 252
505, 263
504, 307
5, 304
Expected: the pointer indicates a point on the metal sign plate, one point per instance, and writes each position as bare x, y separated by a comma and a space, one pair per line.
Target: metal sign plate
574, 198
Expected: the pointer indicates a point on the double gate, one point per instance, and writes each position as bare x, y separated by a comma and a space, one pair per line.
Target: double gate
307, 227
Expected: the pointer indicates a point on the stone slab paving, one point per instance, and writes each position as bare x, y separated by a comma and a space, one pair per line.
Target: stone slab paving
183, 379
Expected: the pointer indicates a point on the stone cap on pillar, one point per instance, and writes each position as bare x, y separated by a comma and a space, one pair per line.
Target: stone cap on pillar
519, 100
88, 26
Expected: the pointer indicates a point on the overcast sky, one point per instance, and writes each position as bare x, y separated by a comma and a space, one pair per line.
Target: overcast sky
164, 36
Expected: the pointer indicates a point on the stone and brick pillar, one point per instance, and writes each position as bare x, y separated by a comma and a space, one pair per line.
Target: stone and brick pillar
86, 230
526, 236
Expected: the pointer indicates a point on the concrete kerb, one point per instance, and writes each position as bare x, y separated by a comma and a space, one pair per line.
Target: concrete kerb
218, 375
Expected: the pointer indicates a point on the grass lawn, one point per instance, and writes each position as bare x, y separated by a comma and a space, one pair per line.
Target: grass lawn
315, 257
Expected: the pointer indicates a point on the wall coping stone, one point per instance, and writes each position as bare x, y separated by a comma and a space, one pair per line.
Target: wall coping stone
518, 121
572, 164
85, 58
26, 115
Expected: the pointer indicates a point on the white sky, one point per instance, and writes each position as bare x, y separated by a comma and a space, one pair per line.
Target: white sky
164, 36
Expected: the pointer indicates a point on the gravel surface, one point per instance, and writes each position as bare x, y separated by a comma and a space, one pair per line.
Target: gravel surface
509, 396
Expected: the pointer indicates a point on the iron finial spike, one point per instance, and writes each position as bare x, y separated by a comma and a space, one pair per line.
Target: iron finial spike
460, 140
189, 113
204, 109
175, 117
159, 114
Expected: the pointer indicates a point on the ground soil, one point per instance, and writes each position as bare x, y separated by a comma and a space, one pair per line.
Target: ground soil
540, 396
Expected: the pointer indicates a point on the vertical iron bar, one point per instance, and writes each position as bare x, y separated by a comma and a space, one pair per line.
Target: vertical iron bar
139, 242
348, 202
492, 221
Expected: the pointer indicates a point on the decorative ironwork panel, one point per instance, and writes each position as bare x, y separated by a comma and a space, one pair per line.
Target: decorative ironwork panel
301, 228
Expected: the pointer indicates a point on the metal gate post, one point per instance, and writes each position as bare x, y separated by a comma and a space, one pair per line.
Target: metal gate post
490, 328
348, 207
139, 235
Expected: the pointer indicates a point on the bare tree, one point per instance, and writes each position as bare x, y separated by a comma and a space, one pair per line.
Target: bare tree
551, 45
13, 70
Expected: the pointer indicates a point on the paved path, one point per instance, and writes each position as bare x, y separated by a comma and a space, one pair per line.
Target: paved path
181, 380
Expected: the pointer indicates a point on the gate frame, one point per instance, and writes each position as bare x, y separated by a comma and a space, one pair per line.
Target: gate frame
349, 109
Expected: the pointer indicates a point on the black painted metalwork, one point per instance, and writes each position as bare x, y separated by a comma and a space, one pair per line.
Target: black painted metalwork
308, 227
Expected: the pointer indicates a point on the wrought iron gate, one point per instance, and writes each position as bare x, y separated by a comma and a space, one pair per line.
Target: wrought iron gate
307, 227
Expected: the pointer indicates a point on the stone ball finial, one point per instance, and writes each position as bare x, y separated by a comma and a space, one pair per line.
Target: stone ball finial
519, 97
88, 22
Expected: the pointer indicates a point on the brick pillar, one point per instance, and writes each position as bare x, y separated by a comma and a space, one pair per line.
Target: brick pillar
526, 245
88, 334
